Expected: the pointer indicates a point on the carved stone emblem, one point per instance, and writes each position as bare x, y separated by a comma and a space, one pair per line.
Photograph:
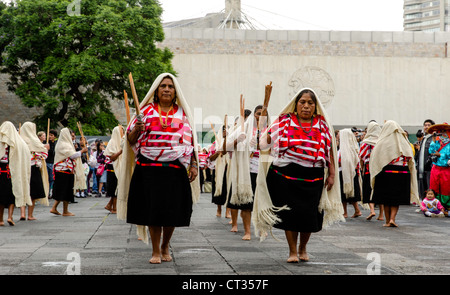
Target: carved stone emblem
315, 78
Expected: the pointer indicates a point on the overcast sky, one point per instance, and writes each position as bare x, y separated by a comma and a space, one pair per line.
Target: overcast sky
337, 15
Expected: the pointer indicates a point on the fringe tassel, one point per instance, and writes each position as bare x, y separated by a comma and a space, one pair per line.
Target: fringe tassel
142, 233
264, 220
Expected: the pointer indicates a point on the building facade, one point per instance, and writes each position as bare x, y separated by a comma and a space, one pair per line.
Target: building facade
426, 15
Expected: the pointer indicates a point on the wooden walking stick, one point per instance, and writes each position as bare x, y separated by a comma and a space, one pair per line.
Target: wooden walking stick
48, 130
268, 92
212, 127
127, 107
84, 139
135, 97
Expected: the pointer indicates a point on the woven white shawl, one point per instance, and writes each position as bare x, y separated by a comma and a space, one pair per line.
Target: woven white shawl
114, 146
19, 163
349, 149
28, 133
241, 184
264, 212
393, 143
372, 134
128, 157
221, 163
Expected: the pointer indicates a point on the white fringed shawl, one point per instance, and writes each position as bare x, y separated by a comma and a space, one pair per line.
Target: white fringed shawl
28, 133
372, 134
113, 147
128, 158
241, 184
19, 163
64, 149
349, 149
263, 215
393, 143
221, 163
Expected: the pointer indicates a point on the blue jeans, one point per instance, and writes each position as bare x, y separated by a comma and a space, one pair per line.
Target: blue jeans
94, 179
50, 174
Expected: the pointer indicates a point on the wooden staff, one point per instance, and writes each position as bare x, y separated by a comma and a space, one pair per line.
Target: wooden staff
20, 126
127, 107
268, 92
135, 97
212, 127
48, 129
84, 138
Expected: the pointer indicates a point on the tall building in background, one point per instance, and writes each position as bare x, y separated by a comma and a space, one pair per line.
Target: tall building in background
426, 15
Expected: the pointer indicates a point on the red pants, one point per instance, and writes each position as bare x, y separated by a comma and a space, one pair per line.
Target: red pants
440, 180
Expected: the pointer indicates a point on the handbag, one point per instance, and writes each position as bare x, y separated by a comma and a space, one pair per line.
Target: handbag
100, 169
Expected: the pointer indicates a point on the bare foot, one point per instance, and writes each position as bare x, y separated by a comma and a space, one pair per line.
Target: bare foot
108, 207
2, 223
68, 214
393, 224
303, 255
234, 229
113, 211
31, 218
345, 215
370, 216
55, 212
293, 259
247, 237
11, 222
165, 253
380, 218
155, 260
357, 214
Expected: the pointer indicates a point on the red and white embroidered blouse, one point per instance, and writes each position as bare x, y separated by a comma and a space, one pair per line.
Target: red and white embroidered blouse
292, 144
164, 144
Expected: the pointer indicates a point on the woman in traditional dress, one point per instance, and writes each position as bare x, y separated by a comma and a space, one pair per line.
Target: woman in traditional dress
240, 194
300, 176
440, 170
113, 154
367, 145
39, 185
393, 172
15, 171
349, 171
68, 170
159, 193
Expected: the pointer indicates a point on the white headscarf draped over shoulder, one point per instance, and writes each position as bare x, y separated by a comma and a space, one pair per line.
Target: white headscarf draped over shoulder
393, 143
372, 134
114, 146
128, 157
19, 162
263, 216
349, 149
28, 133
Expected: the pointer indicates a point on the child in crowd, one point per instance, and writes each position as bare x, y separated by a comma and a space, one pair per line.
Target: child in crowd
431, 206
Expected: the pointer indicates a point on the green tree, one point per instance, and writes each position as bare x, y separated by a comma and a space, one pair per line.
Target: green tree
68, 57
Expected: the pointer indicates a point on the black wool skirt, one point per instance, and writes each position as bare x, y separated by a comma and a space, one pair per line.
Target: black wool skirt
392, 186
6, 193
160, 195
367, 189
36, 185
219, 200
356, 190
63, 187
111, 182
287, 186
